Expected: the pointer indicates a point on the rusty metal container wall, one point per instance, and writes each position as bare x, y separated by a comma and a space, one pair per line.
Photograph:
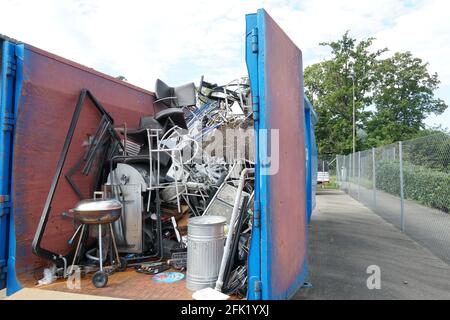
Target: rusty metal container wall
282, 194
50, 89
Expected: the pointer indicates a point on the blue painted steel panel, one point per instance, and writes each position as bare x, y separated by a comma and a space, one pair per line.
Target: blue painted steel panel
254, 261
8, 71
275, 71
311, 155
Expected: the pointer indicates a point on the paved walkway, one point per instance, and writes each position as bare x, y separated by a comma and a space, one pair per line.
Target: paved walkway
427, 226
345, 237
38, 294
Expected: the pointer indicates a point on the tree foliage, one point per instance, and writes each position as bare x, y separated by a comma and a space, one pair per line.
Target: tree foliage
393, 95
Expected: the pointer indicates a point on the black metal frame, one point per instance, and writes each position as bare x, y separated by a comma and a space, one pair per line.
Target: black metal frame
59, 259
89, 157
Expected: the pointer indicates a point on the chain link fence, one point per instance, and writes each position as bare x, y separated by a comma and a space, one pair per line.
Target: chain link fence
408, 184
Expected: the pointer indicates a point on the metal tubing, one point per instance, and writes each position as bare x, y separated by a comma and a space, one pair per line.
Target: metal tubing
359, 174
75, 234
100, 253
402, 200
116, 252
374, 179
233, 220
77, 250
338, 172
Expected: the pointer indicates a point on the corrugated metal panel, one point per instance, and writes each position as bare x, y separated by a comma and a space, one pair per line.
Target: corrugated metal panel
50, 89
279, 83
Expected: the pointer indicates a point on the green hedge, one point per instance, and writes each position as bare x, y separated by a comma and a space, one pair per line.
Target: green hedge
426, 186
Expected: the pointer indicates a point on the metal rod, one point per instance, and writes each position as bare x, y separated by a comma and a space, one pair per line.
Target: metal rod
234, 217
100, 254
75, 234
114, 243
359, 174
77, 249
374, 178
402, 206
354, 116
337, 172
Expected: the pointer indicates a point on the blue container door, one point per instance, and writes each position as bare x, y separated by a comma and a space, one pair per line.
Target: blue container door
278, 253
9, 68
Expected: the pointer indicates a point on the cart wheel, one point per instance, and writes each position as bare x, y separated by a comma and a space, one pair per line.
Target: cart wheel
123, 264
100, 279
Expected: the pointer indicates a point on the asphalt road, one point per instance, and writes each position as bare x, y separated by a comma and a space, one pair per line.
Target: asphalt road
345, 238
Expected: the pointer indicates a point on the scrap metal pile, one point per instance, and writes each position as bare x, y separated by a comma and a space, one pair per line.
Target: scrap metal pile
188, 160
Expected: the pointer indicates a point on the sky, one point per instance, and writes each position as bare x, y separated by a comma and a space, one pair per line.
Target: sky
179, 41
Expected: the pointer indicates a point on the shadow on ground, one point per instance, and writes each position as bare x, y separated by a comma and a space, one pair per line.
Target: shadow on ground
345, 238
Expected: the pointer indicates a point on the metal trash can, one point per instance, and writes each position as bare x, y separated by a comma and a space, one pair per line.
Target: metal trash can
204, 251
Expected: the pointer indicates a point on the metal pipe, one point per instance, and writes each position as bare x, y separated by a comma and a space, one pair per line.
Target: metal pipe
354, 115
75, 234
374, 179
234, 216
116, 252
76, 250
100, 254
359, 174
402, 200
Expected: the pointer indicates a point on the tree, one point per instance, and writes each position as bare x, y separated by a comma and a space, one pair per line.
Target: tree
403, 97
393, 96
329, 86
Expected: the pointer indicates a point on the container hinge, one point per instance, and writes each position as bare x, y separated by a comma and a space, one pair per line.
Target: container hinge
12, 67
3, 271
4, 198
5, 204
255, 107
254, 40
258, 286
257, 214
9, 120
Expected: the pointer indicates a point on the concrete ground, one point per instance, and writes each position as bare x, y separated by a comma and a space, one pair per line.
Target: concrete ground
345, 238
427, 226
38, 294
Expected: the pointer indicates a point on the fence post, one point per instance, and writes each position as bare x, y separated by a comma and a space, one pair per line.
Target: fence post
347, 172
402, 207
359, 174
338, 173
350, 177
374, 178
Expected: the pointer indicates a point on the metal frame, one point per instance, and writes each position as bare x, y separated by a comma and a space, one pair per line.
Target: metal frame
57, 258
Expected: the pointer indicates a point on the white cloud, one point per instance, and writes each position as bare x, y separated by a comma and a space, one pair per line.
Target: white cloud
179, 41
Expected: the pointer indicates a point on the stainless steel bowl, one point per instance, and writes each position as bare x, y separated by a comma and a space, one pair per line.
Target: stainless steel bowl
97, 211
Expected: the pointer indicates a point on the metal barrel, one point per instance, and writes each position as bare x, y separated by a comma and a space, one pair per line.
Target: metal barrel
204, 251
